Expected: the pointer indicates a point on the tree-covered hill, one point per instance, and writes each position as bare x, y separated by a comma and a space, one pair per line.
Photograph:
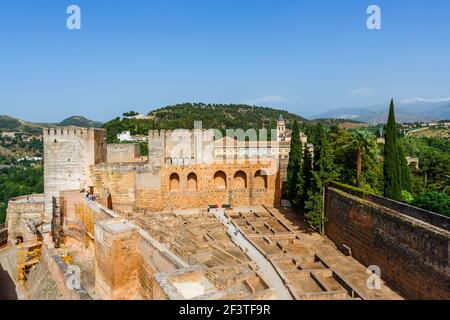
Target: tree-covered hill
217, 116
79, 121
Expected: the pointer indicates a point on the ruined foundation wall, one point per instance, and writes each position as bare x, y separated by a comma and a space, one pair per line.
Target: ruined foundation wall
413, 255
151, 262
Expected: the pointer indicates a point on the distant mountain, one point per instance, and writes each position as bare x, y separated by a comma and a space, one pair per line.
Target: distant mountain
79, 121
11, 124
413, 110
345, 113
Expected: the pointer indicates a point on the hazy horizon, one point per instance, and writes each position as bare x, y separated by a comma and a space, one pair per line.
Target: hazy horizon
120, 114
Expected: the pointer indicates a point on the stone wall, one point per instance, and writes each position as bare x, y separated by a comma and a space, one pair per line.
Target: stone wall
57, 269
69, 153
143, 187
124, 152
126, 262
412, 254
116, 260
117, 181
23, 214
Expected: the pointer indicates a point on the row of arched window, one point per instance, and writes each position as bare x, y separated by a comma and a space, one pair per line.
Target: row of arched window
220, 181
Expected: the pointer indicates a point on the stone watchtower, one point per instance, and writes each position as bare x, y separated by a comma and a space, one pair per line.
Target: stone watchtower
281, 128
69, 154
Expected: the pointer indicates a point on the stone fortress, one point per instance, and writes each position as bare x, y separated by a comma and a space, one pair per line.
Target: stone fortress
200, 218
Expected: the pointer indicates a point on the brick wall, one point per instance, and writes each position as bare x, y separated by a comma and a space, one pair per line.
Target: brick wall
413, 255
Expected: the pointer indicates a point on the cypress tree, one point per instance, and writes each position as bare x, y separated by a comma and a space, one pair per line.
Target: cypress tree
392, 172
307, 176
323, 157
293, 180
323, 172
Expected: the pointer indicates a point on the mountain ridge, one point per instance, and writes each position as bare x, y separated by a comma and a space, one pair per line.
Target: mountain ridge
406, 111
13, 124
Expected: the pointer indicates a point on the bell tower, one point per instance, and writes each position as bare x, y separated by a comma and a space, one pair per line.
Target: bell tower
281, 128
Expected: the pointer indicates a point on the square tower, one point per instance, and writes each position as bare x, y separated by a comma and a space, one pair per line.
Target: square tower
69, 154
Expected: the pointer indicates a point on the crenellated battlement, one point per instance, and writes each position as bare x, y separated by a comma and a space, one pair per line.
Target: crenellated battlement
71, 131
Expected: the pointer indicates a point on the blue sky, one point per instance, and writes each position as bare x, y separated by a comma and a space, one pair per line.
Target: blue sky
302, 56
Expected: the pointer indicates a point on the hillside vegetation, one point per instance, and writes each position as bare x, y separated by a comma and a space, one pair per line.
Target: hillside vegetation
79, 121
11, 124
217, 116
18, 181
18, 176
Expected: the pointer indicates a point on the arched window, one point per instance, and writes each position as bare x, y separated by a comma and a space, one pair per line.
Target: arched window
240, 180
174, 182
192, 182
260, 180
220, 180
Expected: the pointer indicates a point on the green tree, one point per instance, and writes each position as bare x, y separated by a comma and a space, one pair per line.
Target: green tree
307, 176
434, 159
19, 181
323, 172
358, 142
405, 173
434, 201
392, 184
130, 114
294, 181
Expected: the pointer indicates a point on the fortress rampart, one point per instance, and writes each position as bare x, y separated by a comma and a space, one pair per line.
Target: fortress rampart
114, 211
412, 254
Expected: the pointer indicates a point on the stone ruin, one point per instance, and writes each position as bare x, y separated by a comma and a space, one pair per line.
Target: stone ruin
165, 228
